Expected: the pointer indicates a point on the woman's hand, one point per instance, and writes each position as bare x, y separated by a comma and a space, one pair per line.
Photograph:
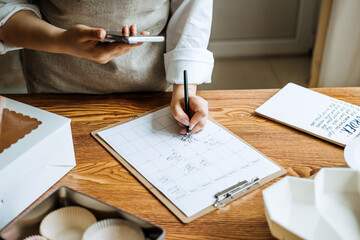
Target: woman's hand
198, 109
25, 29
85, 42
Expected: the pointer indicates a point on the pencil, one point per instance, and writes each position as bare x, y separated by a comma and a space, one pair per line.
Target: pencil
186, 95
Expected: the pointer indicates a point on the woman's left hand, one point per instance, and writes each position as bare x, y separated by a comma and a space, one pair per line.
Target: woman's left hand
197, 105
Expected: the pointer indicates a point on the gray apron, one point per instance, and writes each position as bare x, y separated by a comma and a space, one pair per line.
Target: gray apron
142, 69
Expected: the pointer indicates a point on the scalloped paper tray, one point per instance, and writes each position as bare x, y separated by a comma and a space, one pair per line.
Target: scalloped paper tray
34, 163
327, 207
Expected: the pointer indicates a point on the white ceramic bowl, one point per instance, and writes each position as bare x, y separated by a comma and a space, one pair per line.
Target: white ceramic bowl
352, 154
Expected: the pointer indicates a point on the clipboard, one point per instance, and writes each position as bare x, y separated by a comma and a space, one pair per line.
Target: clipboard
222, 198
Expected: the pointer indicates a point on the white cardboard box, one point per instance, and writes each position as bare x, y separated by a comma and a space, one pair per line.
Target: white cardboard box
34, 163
324, 208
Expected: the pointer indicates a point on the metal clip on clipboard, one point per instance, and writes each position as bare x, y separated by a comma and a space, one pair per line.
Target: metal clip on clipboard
233, 192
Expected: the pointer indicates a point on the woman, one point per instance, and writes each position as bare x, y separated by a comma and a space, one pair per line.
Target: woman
63, 52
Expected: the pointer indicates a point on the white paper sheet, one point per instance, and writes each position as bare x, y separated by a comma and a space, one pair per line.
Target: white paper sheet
313, 112
189, 174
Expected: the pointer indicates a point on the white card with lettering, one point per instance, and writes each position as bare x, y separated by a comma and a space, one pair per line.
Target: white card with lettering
315, 113
188, 173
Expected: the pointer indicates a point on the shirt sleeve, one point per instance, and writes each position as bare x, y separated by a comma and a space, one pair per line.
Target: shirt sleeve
9, 8
187, 38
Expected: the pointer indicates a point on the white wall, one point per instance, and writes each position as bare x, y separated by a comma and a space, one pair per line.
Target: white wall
341, 59
263, 27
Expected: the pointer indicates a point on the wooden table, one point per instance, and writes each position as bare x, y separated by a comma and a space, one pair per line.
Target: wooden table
99, 175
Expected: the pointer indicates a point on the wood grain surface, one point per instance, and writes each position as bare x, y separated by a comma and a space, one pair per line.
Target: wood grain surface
99, 175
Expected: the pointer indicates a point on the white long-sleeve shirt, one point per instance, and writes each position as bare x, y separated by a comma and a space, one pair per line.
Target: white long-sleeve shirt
187, 34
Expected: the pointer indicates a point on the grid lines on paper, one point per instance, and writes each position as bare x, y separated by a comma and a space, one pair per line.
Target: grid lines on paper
169, 162
182, 170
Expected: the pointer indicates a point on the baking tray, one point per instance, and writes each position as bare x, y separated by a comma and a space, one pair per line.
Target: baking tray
28, 222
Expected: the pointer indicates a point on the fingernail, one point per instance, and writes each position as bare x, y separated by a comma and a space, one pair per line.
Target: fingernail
125, 30
191, 127
185, 122
183, 132
101, 34
133, 30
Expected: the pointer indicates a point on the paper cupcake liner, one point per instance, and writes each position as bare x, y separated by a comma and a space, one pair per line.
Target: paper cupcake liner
36, 237
70, 222
118, 229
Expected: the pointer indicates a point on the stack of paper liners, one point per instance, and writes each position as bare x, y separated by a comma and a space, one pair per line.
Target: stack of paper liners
27, 223
14, 126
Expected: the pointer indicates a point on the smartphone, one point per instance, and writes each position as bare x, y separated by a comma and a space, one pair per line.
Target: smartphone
132, 39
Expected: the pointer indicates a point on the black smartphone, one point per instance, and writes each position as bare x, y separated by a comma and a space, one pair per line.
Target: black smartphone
132, 39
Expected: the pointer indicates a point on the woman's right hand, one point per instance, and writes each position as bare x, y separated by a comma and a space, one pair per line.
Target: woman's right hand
85, 42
